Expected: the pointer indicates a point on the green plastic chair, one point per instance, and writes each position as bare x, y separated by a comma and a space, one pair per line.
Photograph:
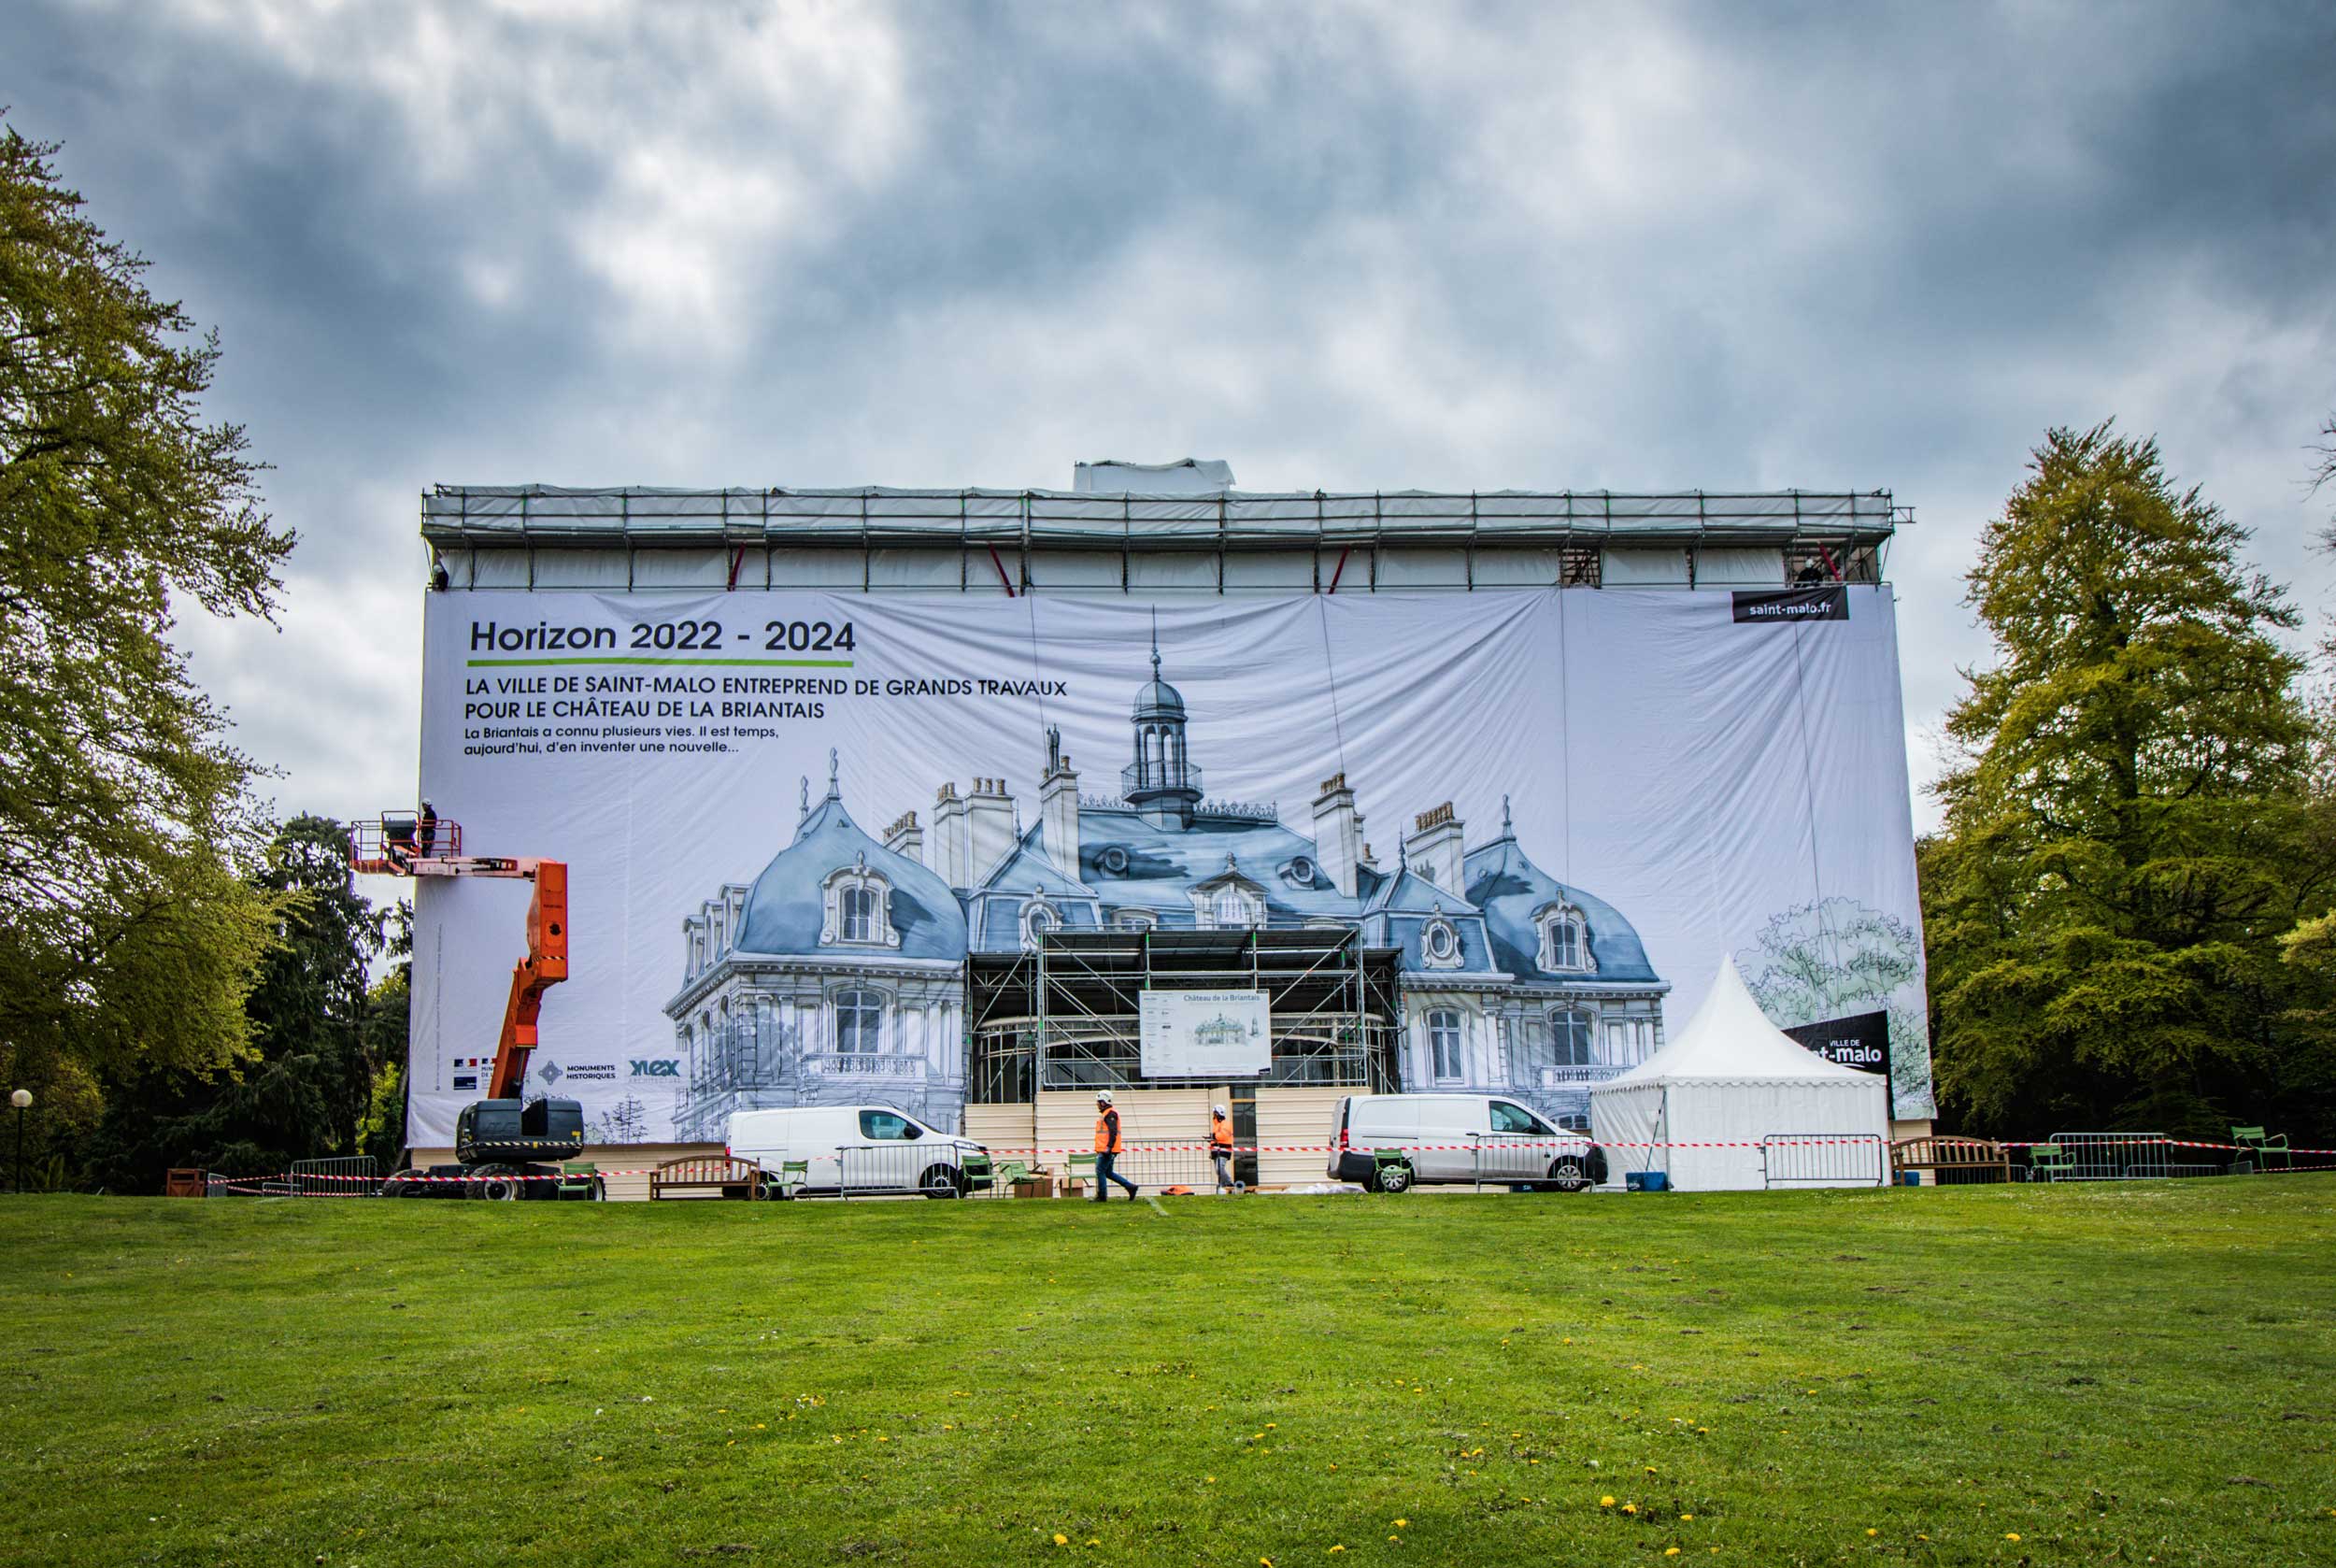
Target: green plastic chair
1010, 1174
580, 1178
981, 1176
792, 1174
2049, 1162
1394, 1169
2264, 1147
1082, 1168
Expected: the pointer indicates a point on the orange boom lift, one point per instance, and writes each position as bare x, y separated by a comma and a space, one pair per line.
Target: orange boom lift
495, 1138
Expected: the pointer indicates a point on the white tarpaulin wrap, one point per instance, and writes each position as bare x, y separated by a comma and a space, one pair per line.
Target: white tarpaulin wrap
788, 815
1698, 1109
1209, 1034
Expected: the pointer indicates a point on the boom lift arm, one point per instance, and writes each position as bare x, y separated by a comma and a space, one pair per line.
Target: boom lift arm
496, 1139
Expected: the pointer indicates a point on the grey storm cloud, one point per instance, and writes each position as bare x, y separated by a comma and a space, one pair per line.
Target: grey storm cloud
1361, 246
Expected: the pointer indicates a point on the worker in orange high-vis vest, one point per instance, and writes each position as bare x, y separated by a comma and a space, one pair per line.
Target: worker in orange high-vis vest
1220, 1149
1108, 1146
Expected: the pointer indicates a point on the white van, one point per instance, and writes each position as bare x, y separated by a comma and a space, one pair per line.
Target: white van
860, 1148
1457, 1137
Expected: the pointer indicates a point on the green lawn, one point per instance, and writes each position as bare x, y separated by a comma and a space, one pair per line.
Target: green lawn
2129, 1374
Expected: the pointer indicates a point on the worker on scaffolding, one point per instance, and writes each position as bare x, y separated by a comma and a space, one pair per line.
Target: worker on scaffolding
1108, 1146
1220, 1149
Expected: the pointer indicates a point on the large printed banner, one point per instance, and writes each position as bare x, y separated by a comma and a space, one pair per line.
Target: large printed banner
788, 816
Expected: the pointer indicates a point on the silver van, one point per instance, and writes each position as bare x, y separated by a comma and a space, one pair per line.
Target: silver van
1457, 1139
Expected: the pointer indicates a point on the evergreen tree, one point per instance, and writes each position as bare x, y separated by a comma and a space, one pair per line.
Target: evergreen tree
2128, 832
128, 936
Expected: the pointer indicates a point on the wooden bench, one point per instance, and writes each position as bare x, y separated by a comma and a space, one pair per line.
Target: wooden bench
698, 1173
1938, 1154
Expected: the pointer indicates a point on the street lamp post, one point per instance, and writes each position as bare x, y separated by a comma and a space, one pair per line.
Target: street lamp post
21, 1100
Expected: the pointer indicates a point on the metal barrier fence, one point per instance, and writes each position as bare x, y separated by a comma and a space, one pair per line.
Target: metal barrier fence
1825, 1159
2113, 1156
892, 1170
354, 1176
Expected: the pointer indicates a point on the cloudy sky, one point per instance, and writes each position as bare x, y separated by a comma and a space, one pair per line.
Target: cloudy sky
1353, 247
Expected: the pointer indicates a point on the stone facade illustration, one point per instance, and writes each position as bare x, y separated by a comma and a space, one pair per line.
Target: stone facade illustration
836, 974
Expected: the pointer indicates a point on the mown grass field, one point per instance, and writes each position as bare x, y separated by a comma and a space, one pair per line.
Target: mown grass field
2122, 1373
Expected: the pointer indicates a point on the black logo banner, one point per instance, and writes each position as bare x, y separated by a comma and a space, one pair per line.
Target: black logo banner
1862, 1041
1828, 602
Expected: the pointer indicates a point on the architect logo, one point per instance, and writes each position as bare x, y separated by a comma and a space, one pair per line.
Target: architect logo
666, 1067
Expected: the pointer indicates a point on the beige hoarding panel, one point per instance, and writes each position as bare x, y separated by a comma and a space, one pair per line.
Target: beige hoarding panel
1002, 1129
1294, 1134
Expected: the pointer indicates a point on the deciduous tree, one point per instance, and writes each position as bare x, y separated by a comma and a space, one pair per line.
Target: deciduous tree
2127, 832
128, 938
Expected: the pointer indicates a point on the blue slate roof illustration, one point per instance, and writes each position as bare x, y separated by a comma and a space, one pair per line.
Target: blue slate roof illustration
1128, 861
1509, 888
787, 904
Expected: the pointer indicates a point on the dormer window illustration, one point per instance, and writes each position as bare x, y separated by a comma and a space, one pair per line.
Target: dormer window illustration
1564, 940
1439, 941
1227, 901
1038, 919
857, 907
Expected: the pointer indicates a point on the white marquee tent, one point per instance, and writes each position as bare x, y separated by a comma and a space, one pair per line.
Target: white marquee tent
1730, 1077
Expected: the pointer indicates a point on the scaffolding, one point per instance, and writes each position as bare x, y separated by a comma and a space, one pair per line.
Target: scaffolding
992, 535
1064, 1014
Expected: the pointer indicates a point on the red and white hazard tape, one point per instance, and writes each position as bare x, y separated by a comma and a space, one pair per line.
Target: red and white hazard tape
257, 1185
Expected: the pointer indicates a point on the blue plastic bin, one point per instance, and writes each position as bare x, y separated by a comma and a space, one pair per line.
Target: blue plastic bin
1646, 1182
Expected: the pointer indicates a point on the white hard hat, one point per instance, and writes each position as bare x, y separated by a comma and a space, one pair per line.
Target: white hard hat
1218, 1110
1103, 1097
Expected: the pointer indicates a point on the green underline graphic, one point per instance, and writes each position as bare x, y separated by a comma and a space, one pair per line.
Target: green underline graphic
761, 664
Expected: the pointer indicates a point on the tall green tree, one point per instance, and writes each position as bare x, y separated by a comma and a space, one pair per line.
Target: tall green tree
128, 938
2128, 832
308, 1086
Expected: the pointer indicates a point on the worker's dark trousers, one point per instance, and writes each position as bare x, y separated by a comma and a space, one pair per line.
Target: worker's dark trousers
1104, 1175
1224, 1171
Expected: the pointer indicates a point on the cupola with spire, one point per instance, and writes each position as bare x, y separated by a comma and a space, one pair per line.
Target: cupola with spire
1161, 783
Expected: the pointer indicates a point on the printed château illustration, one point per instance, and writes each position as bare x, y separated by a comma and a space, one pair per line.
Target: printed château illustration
836, 975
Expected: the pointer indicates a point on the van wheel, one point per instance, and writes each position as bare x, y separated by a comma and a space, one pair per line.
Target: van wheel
1392, 1178
1567, 1175
943, 1181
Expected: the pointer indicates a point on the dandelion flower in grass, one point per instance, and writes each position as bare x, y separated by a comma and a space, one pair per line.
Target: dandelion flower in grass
1606, 1503
1061, 1539
1873, 1531
1403, 1524
1686, 1519
2011, 1535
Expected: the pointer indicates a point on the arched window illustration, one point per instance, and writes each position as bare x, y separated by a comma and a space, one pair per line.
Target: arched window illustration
1444, 1045
1571, 1038
858, 1022
1038, 919
859, 907
1231, 909
1564, 940
860, 912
